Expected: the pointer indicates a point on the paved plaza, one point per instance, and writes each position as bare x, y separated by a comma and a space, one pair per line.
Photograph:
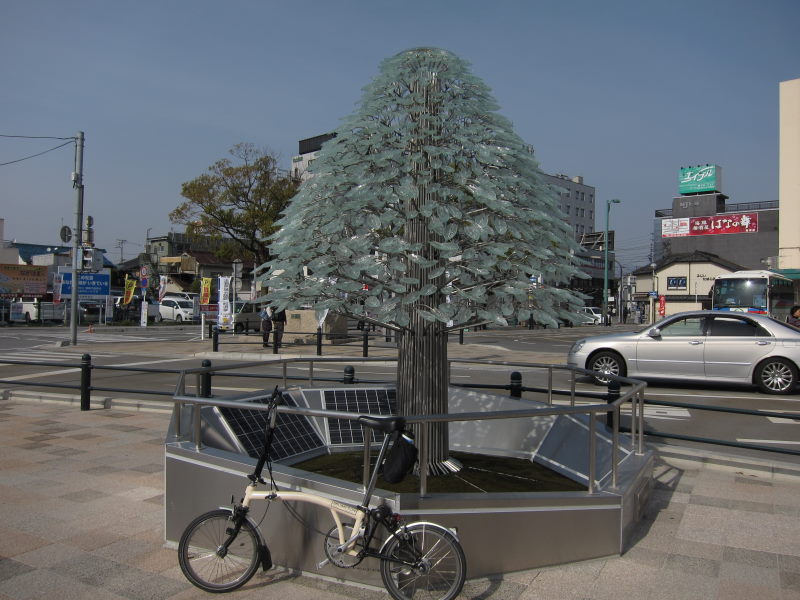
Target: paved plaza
82, 517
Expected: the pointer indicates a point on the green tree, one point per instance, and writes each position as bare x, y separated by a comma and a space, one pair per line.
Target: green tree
238, 199
427, 213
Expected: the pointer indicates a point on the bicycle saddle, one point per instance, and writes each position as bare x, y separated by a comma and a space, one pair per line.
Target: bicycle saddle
384, 424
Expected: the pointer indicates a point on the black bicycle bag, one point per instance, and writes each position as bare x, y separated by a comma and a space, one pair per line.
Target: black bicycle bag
400, 458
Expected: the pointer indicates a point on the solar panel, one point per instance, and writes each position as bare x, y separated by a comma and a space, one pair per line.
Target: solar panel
293, 435
357, 400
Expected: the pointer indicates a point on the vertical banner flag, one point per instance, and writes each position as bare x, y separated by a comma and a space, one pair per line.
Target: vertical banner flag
130, 287
58, 279
162, 287
224, 317
205, 290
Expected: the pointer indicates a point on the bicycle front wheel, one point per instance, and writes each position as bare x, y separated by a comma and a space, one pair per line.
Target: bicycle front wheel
425, 563
204, 560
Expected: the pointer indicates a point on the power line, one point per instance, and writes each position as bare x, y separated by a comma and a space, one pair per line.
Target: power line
36, 137
11, 162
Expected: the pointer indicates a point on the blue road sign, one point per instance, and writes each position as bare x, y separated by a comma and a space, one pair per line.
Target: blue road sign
90, 285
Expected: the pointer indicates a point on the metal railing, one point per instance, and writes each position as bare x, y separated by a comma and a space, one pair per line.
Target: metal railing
634, 396
203, 376
363, 337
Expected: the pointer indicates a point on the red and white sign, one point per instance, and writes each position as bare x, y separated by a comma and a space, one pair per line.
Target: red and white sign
719, 224
662, 306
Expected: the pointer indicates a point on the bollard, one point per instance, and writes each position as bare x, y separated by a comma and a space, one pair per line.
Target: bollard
516, 384
319, 341
612, 396
365, 344
461, 336
275, 341
205, 380
86, 381
215, 340
349, 375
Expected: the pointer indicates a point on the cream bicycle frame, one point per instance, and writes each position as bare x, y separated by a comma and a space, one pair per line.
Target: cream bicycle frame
337, 509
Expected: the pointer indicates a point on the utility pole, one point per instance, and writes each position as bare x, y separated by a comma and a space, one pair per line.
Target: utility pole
77, 183
121, 246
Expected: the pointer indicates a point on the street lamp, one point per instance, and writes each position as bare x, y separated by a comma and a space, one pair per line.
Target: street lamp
606, 320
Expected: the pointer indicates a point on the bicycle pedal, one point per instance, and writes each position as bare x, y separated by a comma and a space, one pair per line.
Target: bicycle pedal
323, 563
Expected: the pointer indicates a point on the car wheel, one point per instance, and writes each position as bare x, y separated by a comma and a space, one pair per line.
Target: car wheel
776, 376
239, 328
607, 363
179, 319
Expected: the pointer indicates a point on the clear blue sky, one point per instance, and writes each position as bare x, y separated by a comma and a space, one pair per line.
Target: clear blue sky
621, 92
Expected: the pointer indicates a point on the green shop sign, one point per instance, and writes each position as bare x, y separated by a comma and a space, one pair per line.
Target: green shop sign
702, 178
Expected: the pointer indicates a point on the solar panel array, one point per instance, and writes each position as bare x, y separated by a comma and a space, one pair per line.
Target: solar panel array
357, 400
293, 435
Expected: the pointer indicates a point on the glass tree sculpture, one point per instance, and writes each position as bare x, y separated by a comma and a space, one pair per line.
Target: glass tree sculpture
425, 214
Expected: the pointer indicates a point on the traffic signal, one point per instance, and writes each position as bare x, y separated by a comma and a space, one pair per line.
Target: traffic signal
87, 258
91, 259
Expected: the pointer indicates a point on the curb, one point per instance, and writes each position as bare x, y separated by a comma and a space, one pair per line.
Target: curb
730, 461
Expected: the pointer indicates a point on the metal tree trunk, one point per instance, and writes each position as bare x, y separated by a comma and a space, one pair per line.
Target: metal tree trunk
422, 383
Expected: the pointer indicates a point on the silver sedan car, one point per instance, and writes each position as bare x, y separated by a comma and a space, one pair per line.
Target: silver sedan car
710, 346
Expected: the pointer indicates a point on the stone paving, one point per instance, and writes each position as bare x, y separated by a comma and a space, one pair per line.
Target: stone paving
81, 499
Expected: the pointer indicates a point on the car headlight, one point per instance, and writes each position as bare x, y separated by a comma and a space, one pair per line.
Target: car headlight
576, 347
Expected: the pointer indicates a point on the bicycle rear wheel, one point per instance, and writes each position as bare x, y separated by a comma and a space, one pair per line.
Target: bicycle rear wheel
440, 566
207, 564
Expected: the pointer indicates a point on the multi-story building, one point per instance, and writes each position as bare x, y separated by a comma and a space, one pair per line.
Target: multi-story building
702, 220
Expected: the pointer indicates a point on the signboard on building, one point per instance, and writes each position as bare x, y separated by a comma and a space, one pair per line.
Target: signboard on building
23, 280
700, 179
91, 286
715, 225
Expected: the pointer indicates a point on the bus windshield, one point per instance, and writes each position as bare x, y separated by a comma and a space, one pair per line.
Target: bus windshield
740, 294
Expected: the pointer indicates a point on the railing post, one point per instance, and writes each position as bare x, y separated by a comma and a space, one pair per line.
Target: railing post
550, 386
423, 459
215, 339
205, 380
319, 341
611, 396
640, 418
365, 343
86, 382
461, 336
275, 342
592, 450
349, 375
516, 384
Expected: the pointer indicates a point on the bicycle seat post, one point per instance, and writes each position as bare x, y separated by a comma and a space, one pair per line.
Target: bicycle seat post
374, 476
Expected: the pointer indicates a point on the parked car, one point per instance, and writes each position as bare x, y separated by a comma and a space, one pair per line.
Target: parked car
708, 346
593, 314
176, 309
246, 317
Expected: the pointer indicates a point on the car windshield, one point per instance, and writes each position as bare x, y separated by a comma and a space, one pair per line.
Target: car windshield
185, 304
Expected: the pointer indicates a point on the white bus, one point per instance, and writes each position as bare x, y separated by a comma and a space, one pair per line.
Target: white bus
762, 292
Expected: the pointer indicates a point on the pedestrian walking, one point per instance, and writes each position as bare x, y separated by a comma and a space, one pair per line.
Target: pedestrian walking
794, 317
266, 323
278, 322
